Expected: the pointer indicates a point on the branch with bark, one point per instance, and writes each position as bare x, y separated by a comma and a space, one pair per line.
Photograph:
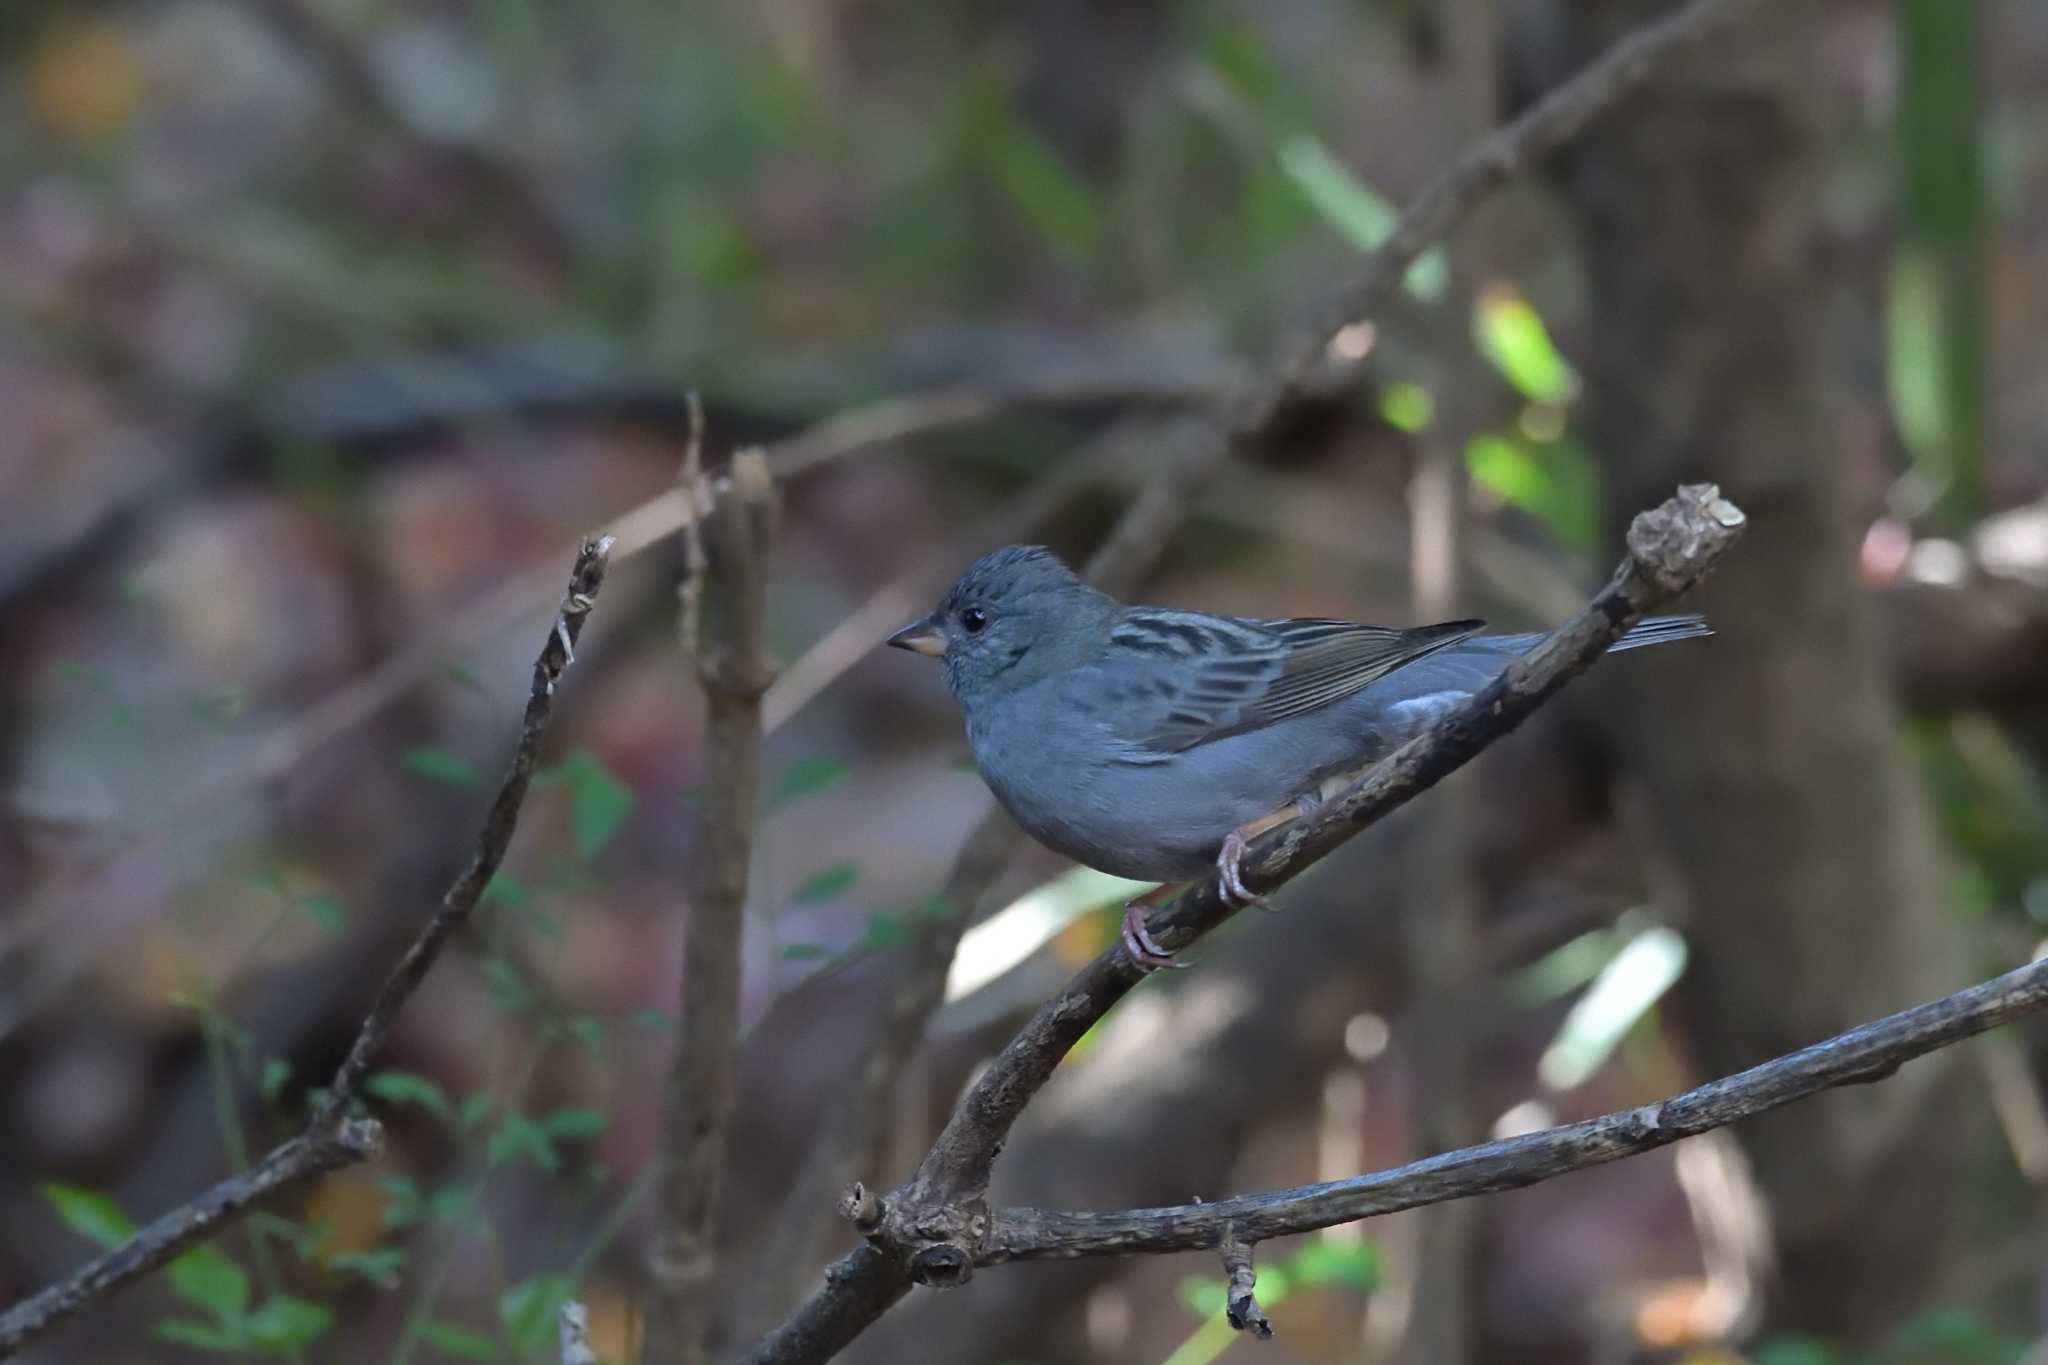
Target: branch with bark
332, 1138
728, 637
937, 1228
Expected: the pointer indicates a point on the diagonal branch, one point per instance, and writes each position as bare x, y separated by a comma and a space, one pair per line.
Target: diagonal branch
1869, 1053
332, 1139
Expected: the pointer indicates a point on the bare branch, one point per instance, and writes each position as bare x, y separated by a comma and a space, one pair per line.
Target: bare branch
1869, 1053
860, 1287
732, 662
332, 1139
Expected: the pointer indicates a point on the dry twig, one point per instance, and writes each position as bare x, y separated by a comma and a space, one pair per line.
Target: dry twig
732, 662
332, 1139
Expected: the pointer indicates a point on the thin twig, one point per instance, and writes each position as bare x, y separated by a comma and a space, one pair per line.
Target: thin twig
332, 1139
1239, 1305
1868, 1053
733, 665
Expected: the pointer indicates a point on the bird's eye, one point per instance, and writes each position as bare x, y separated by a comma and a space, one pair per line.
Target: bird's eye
974, 618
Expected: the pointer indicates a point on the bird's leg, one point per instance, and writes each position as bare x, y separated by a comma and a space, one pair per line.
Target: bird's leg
1230, 882
1144, 950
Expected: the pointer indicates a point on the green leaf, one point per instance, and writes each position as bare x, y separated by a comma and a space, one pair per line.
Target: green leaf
519, 1136
507, 890
1320, 1262
459, 1342
805, 777
406, 1087
476, 1109
797, 952
577, 1121
1407, 407
823, 886
441, 765
208, 1278
1511, 335
884, 931
285, 1324
589, 1031
1204, 1295
528, 1309
1627, 988
89, 1213
450, 1205
1554, 481
1354, 208
402, 1202
654, 1020
509, 991
326, 911
381, 1266
203, 1336
276, 1071
599, 803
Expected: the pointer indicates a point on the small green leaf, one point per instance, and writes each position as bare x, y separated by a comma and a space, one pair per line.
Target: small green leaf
599, 803
528, 1309
326, 911
476, 1109
1513, 337
798, 952
805, 777
285, 1324
577, 1121
459, 1342
519, 1136
884, 931
824, 886
442, 765
1319, 1262
208, 1278
203, 1336
406, 1087
89, 1213
276, 1071
401, 1201
1407, 407
507, 890
381, 1266
589, 1031
450, 1205
1204, 1295
509, 991
654, 1020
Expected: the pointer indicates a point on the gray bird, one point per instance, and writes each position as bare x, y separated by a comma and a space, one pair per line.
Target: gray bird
1155, 744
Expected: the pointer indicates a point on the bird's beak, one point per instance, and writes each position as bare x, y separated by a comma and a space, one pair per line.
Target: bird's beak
921, 635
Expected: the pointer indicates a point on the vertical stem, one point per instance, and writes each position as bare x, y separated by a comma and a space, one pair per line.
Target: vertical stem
726, 612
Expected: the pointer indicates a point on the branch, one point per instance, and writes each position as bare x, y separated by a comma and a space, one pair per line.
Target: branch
1869, 1053
332, 1139
732, 662
860, 1287
1669, 549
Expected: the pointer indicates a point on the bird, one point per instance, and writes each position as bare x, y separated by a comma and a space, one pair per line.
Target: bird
1155, 743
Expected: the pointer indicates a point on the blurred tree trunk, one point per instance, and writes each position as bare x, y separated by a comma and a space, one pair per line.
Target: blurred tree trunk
1770, 757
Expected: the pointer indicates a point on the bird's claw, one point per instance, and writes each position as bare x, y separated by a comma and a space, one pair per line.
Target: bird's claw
1146, 952
1230, 878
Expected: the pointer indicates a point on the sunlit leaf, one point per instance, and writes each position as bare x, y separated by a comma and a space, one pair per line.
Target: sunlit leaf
1354, 208
528, 1309
520, 1137
1626, 989
1407, 407
1353, 1265
1513, 337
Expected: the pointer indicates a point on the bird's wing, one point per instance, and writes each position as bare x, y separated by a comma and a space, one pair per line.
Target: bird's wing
1183, 678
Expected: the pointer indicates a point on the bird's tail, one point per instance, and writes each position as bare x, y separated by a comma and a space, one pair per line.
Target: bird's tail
1658, 630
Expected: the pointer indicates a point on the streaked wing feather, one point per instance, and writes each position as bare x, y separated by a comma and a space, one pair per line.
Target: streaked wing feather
1213, 676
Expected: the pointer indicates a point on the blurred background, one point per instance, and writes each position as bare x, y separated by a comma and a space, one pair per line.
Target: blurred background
327, 325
